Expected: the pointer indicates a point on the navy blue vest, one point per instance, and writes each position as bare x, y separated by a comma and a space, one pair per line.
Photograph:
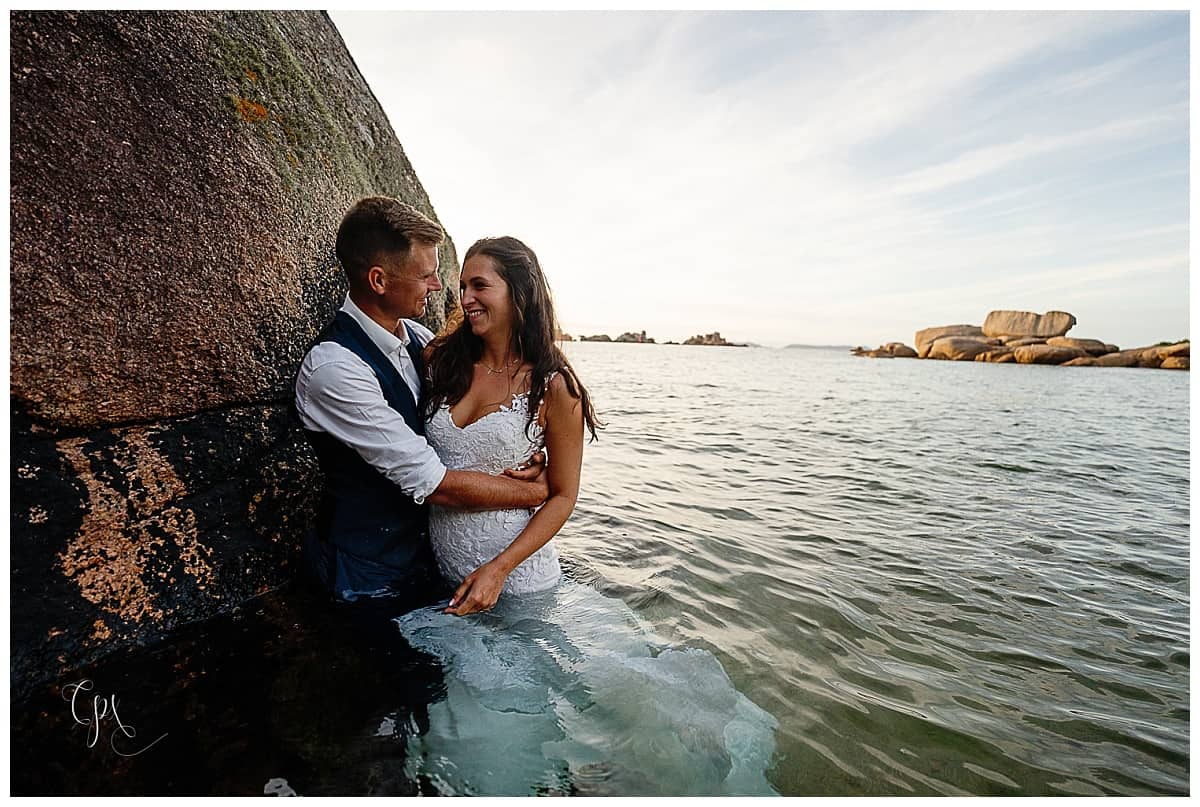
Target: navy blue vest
371, 537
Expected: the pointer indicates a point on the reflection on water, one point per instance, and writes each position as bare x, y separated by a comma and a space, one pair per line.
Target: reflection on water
940, 577
936, 577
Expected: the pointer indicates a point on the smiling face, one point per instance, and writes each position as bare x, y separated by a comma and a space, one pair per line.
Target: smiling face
410, 283
486, 302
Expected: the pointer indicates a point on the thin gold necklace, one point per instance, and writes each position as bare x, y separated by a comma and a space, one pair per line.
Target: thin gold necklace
493, 371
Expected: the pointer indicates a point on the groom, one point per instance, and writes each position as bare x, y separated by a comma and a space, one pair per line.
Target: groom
358, 393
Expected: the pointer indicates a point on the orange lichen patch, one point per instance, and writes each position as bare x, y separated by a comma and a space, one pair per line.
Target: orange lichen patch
104, 558
37, 515
100, 631
250, 110
250, 74
122, 534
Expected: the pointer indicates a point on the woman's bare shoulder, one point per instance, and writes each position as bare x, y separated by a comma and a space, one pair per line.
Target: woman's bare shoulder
557, 387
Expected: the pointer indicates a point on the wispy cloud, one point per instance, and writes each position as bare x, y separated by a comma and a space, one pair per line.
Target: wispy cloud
754, 173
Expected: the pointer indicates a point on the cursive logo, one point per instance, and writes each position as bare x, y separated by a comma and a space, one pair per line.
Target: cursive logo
102, 708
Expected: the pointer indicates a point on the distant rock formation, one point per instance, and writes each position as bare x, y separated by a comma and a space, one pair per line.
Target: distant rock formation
892, 350
598, 338
637, 338
997, 355
960, 348
713, 338
1026, 323
924, 339
1046, 354
1092, 347
176, 182
1023, 337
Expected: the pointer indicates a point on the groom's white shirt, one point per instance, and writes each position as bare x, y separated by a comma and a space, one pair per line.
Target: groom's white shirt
337, 392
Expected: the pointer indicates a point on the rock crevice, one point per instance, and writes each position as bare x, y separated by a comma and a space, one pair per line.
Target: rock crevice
177, 180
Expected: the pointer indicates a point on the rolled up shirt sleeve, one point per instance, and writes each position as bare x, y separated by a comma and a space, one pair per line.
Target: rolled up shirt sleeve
341, 396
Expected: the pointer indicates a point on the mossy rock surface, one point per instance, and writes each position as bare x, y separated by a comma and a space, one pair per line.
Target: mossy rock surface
177, 180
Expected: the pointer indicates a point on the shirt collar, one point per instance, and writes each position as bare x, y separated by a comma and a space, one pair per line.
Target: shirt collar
384, 339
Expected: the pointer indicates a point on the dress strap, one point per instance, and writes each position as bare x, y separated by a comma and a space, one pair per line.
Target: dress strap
538, 418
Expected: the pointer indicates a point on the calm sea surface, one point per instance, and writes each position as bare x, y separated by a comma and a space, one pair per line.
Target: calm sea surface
940, 577
937, 577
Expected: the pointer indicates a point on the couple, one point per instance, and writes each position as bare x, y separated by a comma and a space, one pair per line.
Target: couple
399, 419
549, 686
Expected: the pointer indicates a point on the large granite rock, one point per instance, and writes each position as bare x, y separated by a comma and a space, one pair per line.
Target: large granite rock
1175, 363
960, 348
1093, 347
900, 350
1149, 357
1026, 323
925, 338
1179, 349
1122, 358
176, 181
1046, 354
997, 355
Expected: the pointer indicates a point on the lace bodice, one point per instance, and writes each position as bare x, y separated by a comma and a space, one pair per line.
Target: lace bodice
465, 540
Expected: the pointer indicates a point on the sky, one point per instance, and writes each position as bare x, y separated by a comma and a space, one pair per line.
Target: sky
807, 177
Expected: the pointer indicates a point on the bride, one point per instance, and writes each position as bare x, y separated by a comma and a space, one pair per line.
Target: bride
499, 390
551, 687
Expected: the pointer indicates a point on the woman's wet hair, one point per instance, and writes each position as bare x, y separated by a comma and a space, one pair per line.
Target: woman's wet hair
534, 329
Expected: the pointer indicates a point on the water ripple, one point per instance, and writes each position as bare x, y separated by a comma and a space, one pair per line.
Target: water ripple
941, 578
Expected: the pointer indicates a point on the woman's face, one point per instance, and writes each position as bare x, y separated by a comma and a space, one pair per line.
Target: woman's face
485, 299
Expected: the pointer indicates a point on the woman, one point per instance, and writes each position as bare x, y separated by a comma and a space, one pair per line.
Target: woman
499, 390
550, 686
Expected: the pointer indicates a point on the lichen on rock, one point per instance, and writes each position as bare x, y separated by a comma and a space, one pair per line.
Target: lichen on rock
176, 183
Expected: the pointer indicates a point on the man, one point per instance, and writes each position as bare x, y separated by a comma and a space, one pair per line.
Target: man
357, 394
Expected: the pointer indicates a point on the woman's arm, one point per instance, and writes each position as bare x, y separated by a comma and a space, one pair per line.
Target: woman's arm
564, 443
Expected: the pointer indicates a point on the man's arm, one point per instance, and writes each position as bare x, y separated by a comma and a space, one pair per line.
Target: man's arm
472, 490
337, 395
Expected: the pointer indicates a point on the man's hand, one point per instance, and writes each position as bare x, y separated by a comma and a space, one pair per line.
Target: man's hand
534, 472
527, 486
480, 591
530, 471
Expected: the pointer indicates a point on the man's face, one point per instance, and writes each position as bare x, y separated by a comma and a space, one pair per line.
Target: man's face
410, 284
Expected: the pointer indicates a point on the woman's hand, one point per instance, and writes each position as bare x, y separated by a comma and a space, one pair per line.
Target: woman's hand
479, 591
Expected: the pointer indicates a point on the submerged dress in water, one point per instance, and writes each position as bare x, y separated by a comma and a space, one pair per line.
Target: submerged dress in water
560, 689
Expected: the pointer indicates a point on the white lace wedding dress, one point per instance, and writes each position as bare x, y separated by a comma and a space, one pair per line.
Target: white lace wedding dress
559, 688
464, 540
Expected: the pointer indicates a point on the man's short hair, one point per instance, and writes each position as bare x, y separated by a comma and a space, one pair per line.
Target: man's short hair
379, 231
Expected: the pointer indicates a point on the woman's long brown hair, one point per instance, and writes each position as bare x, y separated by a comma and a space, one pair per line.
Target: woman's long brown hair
534, 328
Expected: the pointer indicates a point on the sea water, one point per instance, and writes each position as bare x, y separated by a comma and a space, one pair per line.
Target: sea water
883, 577
939, 577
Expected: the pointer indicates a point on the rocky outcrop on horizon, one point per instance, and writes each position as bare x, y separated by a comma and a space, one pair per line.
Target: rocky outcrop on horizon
636, 338
713, 338
1023, 337
603, 337
1026, 323
924, 339
176, 182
